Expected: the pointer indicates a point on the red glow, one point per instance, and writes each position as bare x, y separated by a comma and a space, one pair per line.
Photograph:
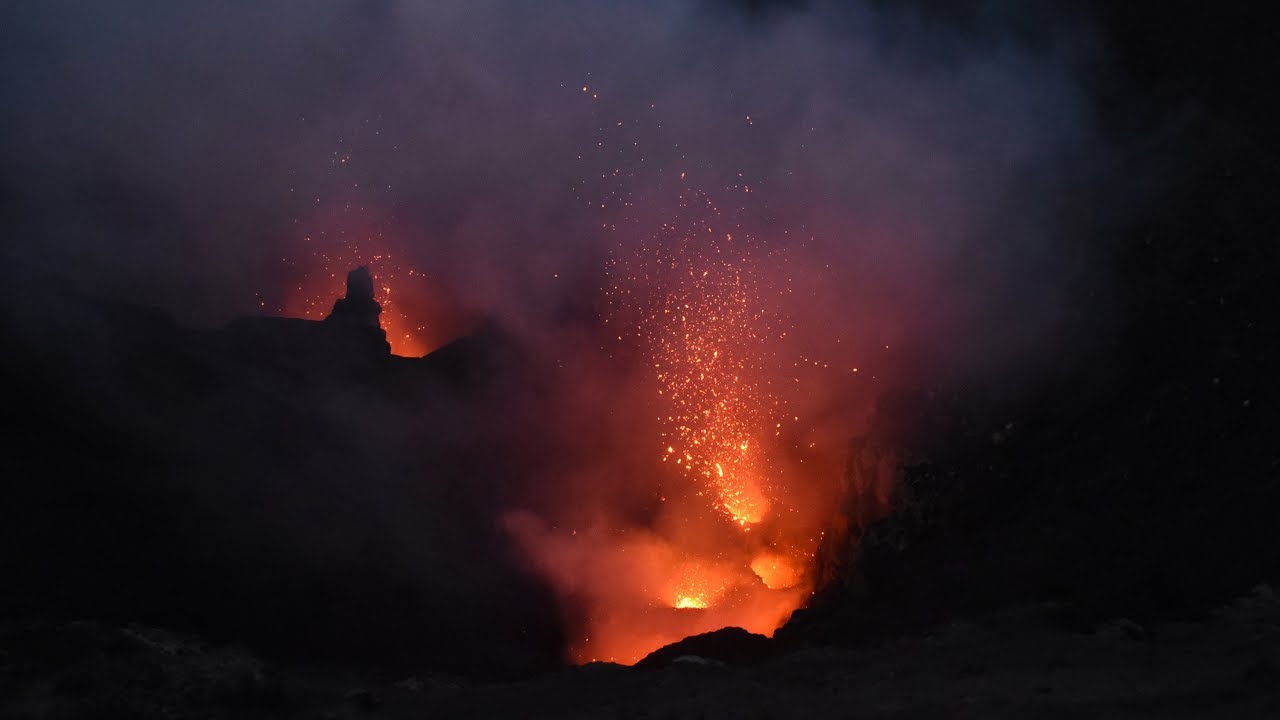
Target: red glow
644, 590
401, 292
414, 314
700, 305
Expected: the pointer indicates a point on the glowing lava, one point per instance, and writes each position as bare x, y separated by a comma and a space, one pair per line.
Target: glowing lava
776, 571
699, 586
697, 305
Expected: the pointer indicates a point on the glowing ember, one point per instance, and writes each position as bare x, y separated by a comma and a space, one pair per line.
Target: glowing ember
707, 333
699, 303
696, 301
699, 587
401, 289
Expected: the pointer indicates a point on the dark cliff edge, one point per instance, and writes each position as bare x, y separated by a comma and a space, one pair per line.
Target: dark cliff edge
282, 483
1138, 474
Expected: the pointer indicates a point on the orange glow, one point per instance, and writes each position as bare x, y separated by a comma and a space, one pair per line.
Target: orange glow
697, 305
698, 586
318, 267
644, 590
706, 514
776, 571
394, 289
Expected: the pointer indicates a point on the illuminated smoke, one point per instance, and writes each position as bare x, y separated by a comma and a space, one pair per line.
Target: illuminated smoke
699, 305
920, 170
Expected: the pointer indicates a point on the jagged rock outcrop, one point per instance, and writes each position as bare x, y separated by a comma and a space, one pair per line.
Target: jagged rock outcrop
727, 647
351, 337
890, 489
283, 482
357, 313
358, 307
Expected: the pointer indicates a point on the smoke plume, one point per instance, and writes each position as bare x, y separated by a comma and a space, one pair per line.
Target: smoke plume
899, 180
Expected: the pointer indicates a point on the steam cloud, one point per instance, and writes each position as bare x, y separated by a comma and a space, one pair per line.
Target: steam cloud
179, 154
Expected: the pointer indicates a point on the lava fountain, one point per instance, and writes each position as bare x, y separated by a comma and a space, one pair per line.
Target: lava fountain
698, 306
691, 298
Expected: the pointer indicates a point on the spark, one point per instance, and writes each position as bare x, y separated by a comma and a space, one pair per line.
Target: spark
322, 276
707, 329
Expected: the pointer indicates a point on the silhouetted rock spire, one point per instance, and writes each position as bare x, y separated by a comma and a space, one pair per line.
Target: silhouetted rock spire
358, 307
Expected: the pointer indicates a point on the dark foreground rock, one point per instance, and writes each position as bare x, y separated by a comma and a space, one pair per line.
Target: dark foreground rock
727, 647
279, 483
89, 670
1013, 664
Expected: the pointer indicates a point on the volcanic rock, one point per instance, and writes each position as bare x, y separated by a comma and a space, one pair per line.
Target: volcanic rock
282, 482
359, 312
87, 669
350, 337
358, 307
727, 647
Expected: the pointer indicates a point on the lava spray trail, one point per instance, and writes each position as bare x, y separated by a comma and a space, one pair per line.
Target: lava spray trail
697, 299
693, 298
